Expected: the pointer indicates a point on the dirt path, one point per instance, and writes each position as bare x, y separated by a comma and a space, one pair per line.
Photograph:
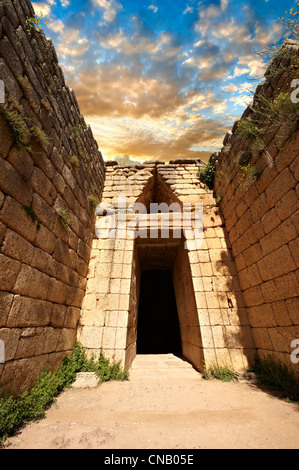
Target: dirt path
164, 405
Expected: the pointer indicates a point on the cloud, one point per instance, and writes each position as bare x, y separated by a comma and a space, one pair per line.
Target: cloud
230, 88
150, 91
153, 7
188, 9
41, 8
141, 141
71, 43
110, 8
240, 71
56, 25
223, 4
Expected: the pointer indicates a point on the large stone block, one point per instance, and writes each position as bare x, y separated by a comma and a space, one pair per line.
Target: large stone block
282, 337
259, 207
293, 309
287, 205
32, 283
17, 247
66, 340
9, 270
14, 216
253, 296
10, 337
20, 374
262, 316
280, 186
6, 300
28, 312
276, 263
57, 317
281, 235
281, 313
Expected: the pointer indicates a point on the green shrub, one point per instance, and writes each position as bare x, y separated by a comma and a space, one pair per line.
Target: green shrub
248, 129
32, 404
207, 175
277, 376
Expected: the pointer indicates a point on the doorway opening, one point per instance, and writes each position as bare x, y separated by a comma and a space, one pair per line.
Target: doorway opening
158, 329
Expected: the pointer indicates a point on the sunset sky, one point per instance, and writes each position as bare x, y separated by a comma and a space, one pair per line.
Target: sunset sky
161, 79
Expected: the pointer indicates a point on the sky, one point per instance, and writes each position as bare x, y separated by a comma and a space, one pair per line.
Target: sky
162, 79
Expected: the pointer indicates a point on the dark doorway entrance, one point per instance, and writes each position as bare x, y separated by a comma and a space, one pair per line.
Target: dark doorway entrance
158, 330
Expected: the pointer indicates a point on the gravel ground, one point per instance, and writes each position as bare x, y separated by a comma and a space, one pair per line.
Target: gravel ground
165, 405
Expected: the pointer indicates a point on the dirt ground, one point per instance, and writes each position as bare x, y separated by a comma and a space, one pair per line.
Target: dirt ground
165, 405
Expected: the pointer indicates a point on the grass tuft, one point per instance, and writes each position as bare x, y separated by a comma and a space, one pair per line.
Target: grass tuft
276, 376
63, 217
223, 373
40, 136
93, 200
74, 160
17, 125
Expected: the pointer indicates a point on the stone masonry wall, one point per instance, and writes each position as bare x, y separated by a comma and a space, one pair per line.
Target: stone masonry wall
214, 326
192, 346
261, 216
51, 174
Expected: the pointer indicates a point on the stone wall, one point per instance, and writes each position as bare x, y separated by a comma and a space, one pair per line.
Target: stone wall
261, 211
51, 173
192, 345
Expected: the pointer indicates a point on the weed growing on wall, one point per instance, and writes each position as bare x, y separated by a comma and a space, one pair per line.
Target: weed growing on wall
226, 149
46, 105
249, 129
40, 136
93, 200
17, 124
77, 131
33, 24
74, 161
32, 215
21, 127
63, 216
27, 88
